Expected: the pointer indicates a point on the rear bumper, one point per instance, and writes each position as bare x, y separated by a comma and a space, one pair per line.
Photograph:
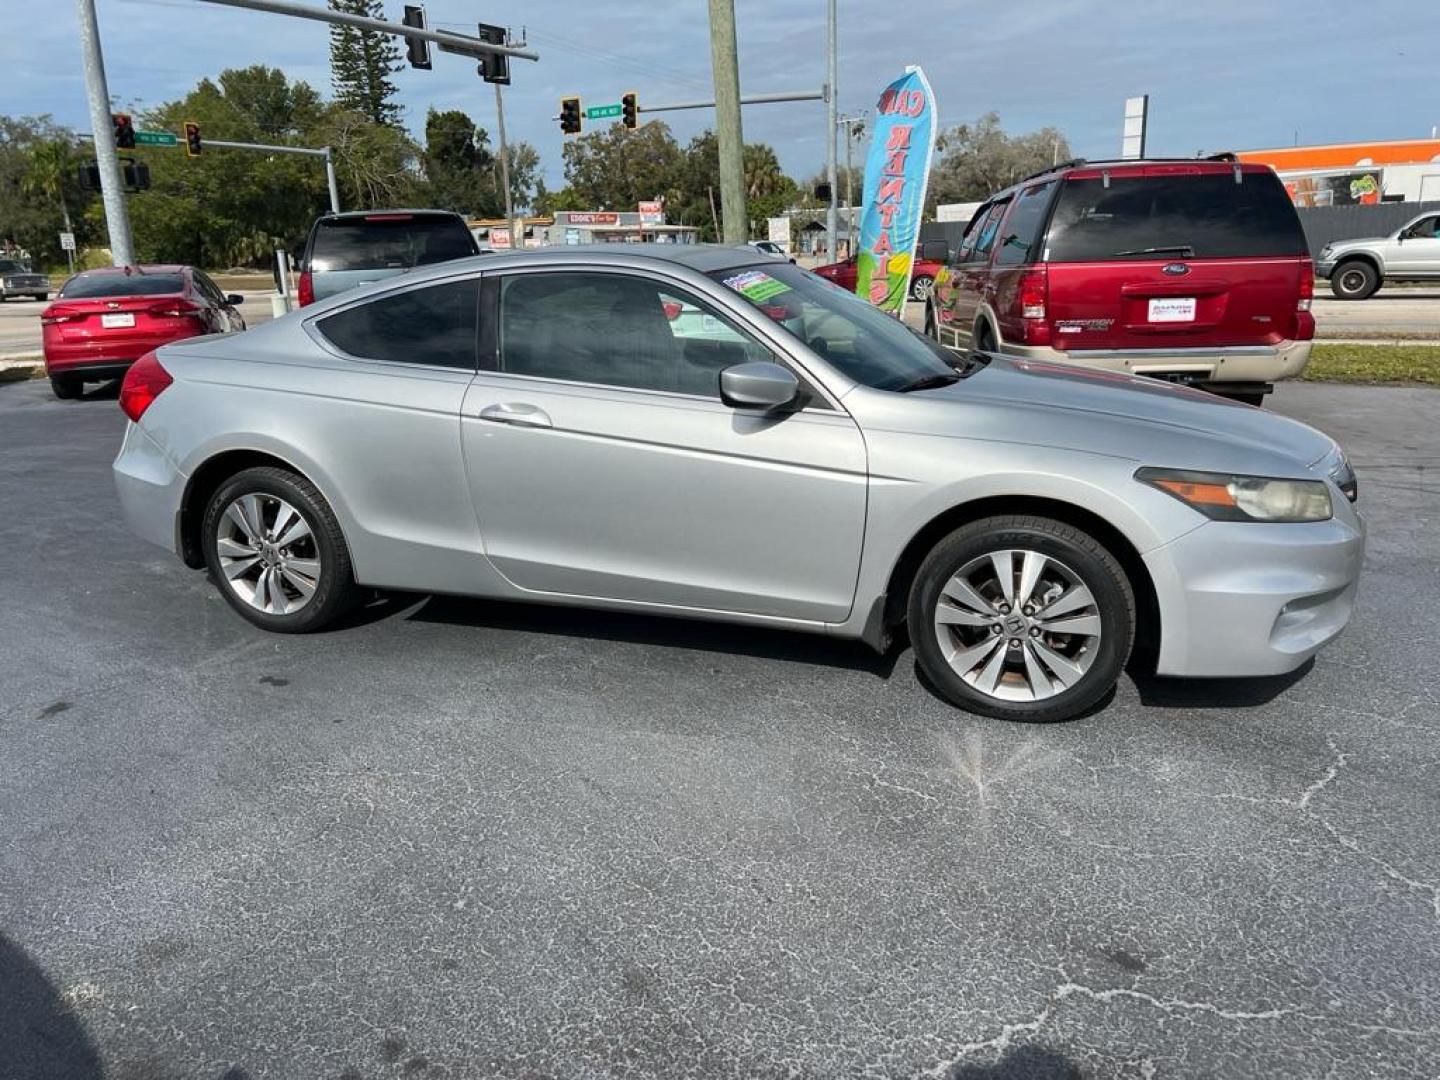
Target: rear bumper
1242, 599
101, 352
100, 369
150, 489
1200, 366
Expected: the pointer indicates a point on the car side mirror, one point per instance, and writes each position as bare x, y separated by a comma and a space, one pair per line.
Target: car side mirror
935, 251
234, 299
758, 384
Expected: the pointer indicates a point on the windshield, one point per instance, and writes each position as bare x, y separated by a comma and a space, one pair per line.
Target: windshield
10, 266
89, 285
861, 342
389, 241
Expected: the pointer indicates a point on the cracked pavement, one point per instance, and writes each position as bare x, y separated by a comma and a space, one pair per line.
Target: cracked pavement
468, 839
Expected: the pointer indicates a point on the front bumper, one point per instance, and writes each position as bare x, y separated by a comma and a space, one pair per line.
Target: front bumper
151, 489
35, 286
1245, 599
1196, 366
1325, 267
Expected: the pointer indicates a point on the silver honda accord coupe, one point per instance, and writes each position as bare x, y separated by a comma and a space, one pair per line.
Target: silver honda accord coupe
708, 433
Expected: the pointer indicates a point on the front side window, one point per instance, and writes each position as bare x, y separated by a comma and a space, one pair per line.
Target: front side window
617, 330
432, 325
1424, 229
1022, 228
859, 340
986, 239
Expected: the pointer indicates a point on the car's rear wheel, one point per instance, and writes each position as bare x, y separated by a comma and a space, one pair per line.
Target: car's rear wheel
1022, 618
66, 387
1354, 280
276, 552
921, 287
932, 328
985, 337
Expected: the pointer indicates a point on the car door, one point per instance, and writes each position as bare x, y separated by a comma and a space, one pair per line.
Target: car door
603, 463
1416, 250
970, 275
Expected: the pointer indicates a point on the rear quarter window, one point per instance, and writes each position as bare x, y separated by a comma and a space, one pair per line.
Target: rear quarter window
435, 325
388, 243
1159, 216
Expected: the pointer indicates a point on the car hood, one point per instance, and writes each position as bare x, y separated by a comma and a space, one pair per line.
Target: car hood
1359, 241
1105, 412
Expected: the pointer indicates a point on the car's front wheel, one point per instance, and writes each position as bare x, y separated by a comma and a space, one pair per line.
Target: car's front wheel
275, 551
1022, 618
1354, 280
921, 287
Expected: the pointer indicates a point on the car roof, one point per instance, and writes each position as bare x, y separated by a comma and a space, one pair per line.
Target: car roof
704, 258
1086, 168
360, 215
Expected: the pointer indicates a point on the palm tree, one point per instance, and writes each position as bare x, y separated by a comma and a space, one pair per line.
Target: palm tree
52, 163
763, 175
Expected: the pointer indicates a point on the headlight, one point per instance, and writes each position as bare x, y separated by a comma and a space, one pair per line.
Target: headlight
1226, 497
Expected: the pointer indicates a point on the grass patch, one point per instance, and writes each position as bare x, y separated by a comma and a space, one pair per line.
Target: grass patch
1404, 364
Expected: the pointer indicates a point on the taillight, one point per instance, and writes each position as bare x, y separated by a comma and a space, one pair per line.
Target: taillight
54, 318
175, 309
143, 383
1307, 285
1034, 289
305, 290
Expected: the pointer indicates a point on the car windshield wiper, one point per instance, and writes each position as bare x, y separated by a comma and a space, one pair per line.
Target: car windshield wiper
1172, 249
930, 382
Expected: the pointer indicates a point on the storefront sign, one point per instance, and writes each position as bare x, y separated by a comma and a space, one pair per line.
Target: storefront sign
592, 217
652, 213
896, 173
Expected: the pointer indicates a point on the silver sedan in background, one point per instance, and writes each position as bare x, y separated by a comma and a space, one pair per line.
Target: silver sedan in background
704, 432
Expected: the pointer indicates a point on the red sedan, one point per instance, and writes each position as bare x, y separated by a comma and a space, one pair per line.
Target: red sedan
102, 321
921, 281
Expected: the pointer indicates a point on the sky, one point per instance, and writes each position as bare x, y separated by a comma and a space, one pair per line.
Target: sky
1221, 74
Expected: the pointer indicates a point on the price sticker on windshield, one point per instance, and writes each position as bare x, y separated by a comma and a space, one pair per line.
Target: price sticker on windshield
1172, 309
756, 285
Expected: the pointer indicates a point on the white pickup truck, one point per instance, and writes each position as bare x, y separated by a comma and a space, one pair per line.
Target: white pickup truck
1357, 268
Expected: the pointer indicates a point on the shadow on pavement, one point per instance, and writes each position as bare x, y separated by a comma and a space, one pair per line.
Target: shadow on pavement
657, 630
1216, 693
40, 1038
1021, 1063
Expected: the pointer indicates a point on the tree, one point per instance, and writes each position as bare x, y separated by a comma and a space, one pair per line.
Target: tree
459, 166
977, 160
275, 107
51, 172
769, 192
37, 193
615, 168
361, 63
526, 185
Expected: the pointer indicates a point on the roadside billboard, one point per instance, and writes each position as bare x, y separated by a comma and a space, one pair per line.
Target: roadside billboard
652, 212
896, 172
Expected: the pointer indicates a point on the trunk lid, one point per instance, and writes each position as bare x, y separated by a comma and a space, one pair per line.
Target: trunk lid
119, 318
1189, 255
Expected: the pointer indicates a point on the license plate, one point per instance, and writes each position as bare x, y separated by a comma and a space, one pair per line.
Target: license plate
110, 322
1172, 309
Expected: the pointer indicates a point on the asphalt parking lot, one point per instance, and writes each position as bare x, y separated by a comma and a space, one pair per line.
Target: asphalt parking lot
463, 839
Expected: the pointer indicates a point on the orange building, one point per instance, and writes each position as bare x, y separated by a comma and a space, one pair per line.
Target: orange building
1402, 170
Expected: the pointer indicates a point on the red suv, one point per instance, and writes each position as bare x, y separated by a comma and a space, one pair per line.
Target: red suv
103, 320
1192, 270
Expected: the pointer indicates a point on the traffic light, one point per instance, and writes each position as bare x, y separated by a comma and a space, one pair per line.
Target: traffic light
416, 50
570, 121
135, 175
629, 110
822, 192
495, 67
192, 139
124, 131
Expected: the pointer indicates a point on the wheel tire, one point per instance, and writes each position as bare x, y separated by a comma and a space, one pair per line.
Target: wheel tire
334, 591
1354, 280
984, 337
42, 296
66, 387
1068, 549
932, 328
921, 287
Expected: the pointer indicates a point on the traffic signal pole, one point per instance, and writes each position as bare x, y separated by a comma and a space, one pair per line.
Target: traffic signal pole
832, 49
112, 188
320, 152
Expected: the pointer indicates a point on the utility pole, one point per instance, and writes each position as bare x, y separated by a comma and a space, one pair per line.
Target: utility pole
852, 125
117, 216
725, 69
505, 166
330, 181
832, 47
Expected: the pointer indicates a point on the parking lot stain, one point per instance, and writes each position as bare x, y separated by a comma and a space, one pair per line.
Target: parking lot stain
417, 1064
274, 680
55, 708
391, 1047
1126, 961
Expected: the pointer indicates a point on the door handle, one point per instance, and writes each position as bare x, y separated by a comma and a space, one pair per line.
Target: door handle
517, 413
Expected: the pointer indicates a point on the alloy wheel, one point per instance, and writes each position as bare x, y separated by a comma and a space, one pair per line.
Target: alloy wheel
268, 554
1018, 625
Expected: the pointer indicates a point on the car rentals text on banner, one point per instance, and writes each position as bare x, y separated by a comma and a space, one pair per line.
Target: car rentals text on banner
896, 173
